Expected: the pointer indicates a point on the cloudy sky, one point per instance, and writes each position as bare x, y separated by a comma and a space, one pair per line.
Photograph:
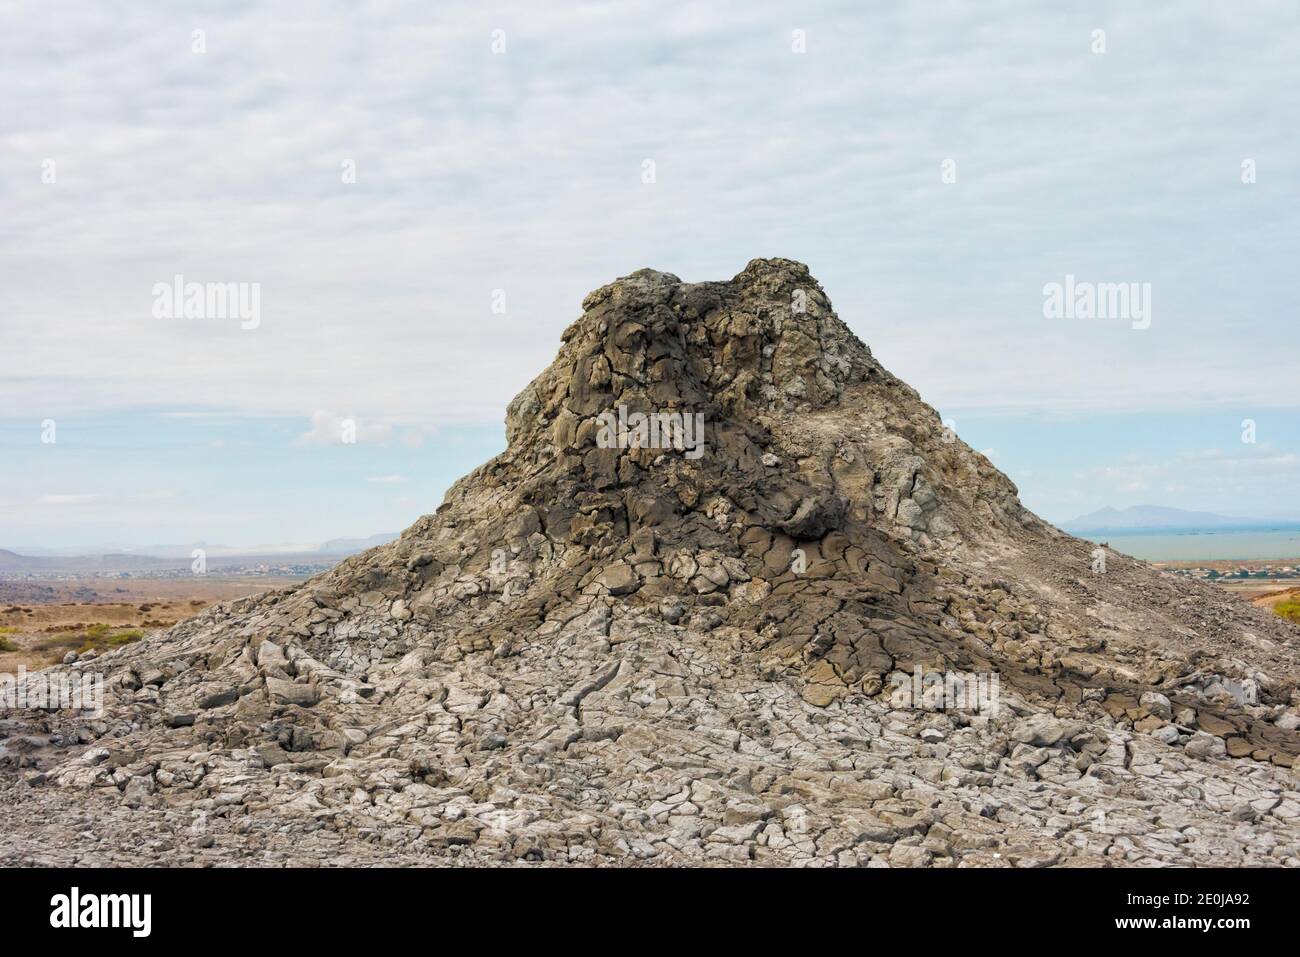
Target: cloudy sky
387, 172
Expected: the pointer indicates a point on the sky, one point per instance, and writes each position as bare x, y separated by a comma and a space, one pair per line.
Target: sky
422, 194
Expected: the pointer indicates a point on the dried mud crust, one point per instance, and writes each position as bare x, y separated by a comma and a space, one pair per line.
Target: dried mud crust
597, 655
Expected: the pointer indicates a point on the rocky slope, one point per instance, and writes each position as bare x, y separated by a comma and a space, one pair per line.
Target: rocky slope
698, 652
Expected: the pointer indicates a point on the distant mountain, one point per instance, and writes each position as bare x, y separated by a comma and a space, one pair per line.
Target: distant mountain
11, 560
1150, 517
348, 546
116, 548
15, 564
114, 553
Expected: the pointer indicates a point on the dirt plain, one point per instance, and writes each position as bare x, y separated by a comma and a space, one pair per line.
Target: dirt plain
40, 621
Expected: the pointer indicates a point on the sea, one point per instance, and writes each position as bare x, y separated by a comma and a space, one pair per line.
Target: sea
1208, 544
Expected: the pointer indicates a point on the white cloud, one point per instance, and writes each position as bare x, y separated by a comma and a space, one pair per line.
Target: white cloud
74, 499
522, 172
387, 479
330, 429
1239, 483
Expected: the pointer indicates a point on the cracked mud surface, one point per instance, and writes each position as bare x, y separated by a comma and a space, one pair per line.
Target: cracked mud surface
594, 655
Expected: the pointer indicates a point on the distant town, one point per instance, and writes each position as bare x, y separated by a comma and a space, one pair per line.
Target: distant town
179, 562
237, 569
1240, 573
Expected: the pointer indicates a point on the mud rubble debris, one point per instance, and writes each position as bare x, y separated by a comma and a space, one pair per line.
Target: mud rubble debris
622, 652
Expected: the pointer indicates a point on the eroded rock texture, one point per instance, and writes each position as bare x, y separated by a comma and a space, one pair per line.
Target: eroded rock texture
605, 655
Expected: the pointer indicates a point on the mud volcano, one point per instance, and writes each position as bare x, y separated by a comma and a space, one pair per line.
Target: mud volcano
692, 615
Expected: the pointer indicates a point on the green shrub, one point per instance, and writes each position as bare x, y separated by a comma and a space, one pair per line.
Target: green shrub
7, 645
1289, 609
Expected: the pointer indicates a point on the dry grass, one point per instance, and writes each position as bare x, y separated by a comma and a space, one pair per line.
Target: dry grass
97, 637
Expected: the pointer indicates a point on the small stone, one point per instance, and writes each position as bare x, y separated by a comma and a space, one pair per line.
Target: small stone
1168, 734
619, 579
1241, 811
219, 699
1239, 747
1202, 745
672, 610
291, 692
271, 656
736, 833
903, 855
1214, 724
272, 754
1154, 703
643, 543
138, 792
460, 832
1043, 731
